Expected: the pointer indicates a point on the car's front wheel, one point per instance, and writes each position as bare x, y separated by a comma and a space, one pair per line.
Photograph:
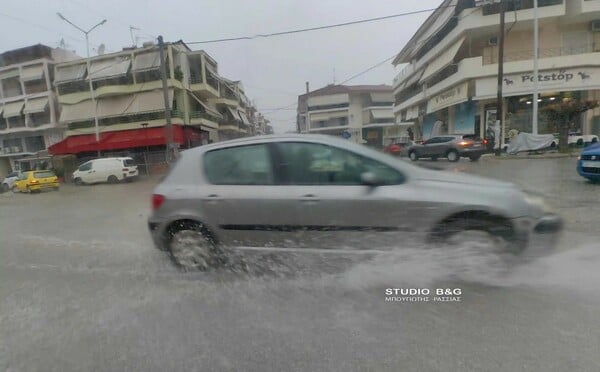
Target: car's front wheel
413, 156
112, 179
192, 248
78, 181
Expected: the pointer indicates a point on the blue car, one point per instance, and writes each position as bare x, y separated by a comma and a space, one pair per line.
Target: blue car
588, 165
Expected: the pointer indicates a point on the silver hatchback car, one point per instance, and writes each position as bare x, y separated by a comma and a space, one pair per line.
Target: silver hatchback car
321, 192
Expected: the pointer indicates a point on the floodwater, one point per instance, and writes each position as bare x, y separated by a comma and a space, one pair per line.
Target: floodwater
82, 288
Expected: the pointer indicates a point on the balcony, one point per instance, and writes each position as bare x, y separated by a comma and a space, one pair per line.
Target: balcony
527, 55
205, 89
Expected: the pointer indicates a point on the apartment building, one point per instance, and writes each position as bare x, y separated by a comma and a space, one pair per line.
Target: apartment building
360, 113
28, 106
449, 82
129, 102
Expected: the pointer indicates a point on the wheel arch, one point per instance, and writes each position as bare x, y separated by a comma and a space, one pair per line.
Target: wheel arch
184, 223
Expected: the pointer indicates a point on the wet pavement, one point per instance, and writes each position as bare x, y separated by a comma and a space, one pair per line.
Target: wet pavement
82, 288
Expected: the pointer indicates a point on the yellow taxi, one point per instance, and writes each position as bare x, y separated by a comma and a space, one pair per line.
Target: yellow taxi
36, 181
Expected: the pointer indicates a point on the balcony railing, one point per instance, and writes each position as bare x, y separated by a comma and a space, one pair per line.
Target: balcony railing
525, 55
202, 115
196, 78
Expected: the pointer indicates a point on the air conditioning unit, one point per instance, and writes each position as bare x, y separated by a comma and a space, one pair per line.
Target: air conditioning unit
493, 41
596, 25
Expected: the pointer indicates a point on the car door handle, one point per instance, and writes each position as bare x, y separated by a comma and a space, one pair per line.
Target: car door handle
213, 198
309, 198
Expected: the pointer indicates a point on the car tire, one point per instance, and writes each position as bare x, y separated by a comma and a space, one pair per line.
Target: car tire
192, 248
413, 156
453, 156
112, 179
78, 181
500, 235
475, 157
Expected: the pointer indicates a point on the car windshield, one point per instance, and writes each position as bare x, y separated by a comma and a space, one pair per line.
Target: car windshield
292, 185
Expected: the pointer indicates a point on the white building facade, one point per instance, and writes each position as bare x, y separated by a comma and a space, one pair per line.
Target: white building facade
449, 82
362, 113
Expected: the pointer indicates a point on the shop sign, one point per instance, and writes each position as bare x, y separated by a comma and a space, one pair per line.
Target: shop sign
549, 80
450, 97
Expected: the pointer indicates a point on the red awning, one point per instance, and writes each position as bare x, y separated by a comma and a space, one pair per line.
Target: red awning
118, 140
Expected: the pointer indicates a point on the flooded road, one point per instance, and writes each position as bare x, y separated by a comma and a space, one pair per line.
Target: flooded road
82, 288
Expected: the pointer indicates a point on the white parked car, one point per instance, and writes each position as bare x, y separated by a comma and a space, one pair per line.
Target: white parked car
9, 181
111, 170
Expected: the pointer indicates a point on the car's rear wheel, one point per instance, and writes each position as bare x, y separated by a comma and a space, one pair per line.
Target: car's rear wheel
113, 179
193, 248
413, 156
452, 156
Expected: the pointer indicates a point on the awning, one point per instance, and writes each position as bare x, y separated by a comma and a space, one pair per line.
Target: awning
413, 79
382, 97
412, 112
382, 114
439, 18
332, 99
443, 60
9, 74
69, 73
146, 61
133, 104
244, 118
36, 105
109, 68
80, 111
13, 109
119, 140
32, 73
321, 116
208, 106
231, 111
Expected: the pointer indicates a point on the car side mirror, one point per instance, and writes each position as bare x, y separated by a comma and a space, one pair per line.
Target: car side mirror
369, 179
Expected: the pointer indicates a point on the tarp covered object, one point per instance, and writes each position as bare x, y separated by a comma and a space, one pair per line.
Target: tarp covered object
530, 142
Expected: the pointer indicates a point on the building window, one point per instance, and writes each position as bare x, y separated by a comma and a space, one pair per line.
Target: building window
73, 87
16, 121
122, 80
35, 144
12, 145
146, 76
35, 86
39, 118
328, 107
11, 87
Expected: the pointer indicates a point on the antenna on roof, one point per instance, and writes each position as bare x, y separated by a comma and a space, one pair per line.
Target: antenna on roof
101, 49
133, 39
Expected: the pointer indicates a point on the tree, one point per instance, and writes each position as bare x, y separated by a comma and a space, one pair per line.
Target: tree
563, 113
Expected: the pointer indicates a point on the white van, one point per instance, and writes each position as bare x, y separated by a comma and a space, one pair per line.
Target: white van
111, 170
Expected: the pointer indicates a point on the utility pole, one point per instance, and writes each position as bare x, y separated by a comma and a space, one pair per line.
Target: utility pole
169, 126
499, 103
536, 89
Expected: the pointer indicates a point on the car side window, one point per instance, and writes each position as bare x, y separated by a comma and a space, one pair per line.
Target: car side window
317, 164
432, 141
85, 167
243, 165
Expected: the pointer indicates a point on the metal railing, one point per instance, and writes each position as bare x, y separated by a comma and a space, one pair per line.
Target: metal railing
525, 55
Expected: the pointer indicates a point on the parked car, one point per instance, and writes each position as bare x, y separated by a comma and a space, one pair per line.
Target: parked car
297, 191
588, 165
111, 170
39, 180
399, 148
452, 147
9, 181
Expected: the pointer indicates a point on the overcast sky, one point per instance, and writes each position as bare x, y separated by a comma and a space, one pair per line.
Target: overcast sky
273, 70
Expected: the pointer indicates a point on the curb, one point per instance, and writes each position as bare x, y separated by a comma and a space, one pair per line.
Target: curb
528, 156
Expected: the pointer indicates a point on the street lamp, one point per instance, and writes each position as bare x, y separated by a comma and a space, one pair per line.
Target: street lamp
87, 47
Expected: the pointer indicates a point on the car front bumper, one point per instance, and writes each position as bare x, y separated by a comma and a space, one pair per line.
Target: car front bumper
592, 173
542, 234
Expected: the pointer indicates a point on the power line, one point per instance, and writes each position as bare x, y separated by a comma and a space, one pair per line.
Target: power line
318, 27
367, 70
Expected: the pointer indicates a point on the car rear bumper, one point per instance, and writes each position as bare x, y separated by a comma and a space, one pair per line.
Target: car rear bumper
44, 186
157, 232
473, 152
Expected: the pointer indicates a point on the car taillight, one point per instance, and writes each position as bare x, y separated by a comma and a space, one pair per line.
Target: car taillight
485, 142
157, 201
